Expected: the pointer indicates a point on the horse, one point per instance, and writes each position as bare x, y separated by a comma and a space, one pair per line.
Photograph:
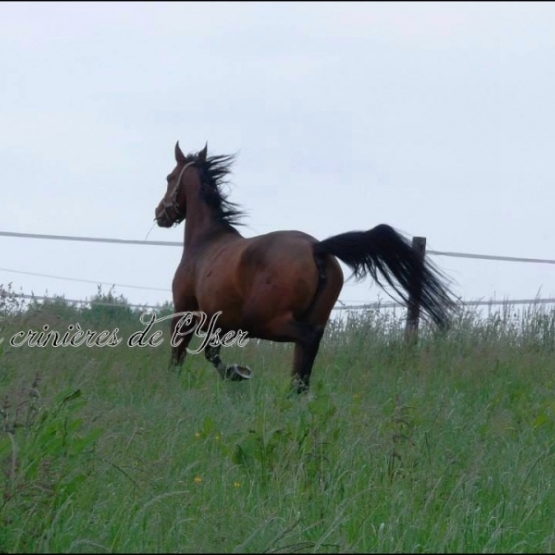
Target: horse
280, 286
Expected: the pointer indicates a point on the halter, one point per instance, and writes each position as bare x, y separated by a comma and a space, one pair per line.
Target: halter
172, 203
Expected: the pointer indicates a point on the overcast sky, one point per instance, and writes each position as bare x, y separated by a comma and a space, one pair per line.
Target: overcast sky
435, 118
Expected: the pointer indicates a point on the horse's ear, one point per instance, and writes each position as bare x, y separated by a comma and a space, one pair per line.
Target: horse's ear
179, 156
202, 153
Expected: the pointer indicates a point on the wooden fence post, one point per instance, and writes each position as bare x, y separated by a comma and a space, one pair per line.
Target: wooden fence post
413, 311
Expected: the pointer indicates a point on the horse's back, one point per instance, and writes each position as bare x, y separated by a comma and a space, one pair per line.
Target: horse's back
277, 247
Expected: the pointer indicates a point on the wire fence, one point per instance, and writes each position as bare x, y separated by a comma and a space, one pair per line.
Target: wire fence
180, 244
340, 306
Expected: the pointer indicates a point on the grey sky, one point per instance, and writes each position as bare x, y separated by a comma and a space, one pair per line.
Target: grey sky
436, 118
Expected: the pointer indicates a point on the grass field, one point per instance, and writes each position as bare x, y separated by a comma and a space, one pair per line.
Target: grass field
448, 446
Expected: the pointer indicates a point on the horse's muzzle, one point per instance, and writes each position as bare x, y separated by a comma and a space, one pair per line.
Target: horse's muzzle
163, 220
162, 217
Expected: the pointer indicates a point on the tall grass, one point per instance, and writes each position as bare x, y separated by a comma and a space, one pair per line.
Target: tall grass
446, 446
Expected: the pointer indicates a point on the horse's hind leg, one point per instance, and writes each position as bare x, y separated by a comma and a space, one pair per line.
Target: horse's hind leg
305, 353
233, 372
311, 330
306, 336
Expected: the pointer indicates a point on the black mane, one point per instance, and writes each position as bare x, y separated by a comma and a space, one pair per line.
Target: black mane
214, 172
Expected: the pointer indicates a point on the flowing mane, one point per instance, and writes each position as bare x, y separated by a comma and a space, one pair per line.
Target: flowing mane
214, 173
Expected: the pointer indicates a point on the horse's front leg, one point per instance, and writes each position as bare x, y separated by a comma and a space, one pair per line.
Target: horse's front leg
182, 327
234, 372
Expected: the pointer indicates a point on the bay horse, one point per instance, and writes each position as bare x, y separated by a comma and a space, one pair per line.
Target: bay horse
280, 286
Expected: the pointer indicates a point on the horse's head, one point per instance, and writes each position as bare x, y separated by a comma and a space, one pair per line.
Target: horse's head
172, 209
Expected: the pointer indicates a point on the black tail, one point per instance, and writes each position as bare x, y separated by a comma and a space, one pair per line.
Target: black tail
383, 250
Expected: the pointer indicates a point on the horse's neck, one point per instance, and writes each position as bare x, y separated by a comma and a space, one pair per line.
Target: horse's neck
201, 227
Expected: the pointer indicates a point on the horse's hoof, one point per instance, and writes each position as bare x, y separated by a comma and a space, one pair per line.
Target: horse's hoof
238, 373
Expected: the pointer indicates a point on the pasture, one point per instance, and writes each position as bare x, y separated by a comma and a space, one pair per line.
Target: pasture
446, 446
